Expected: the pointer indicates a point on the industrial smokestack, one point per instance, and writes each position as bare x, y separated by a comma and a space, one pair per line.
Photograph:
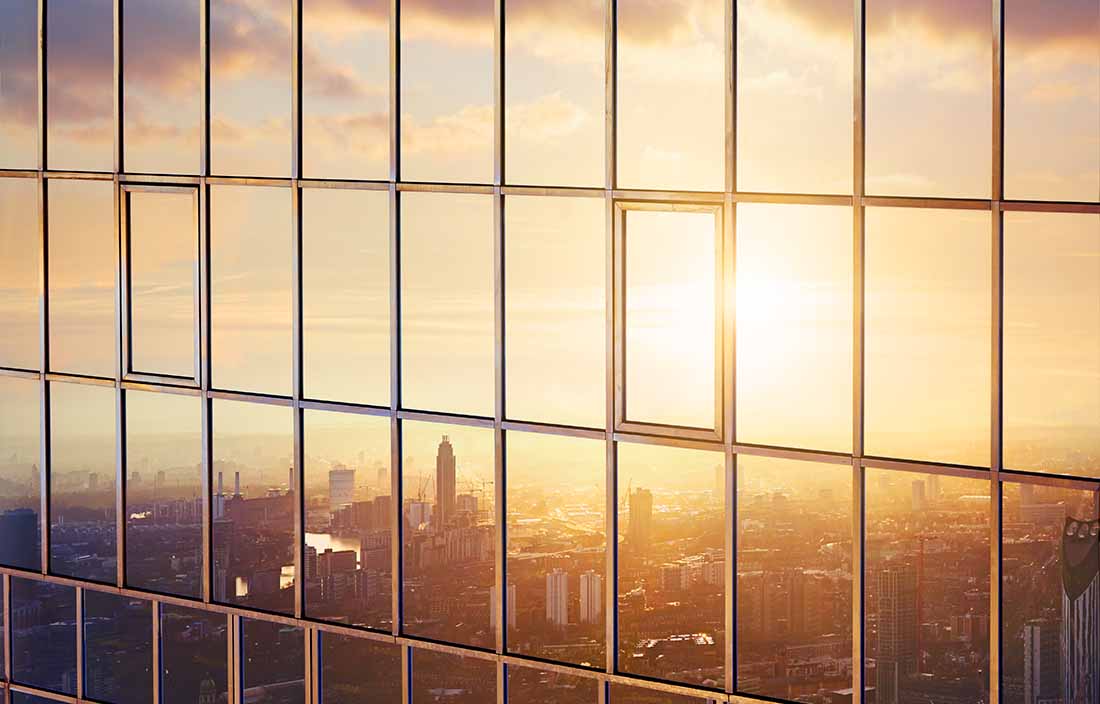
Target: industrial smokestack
221, 491
290, 478
237, 484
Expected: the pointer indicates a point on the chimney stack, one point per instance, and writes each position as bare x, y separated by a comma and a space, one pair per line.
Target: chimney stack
237, 484
221, 491
290, 478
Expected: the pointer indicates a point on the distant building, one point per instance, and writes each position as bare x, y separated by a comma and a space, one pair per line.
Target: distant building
919, 502
19, 548
557, 598
444, 484
591, 597
1080, 612
640, 525
341, 488
896, 591
1042, 660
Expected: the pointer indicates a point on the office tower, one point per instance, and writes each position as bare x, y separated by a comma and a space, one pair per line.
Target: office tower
1080, 611
19, 527
444, 484
557, 598
896, 591
591, 597
466, 503
93, 481
290, 484
1042, 657
918, 500
1027, 494
159, 480
494, 606
237, 485
640, 525
932, 484
341, 488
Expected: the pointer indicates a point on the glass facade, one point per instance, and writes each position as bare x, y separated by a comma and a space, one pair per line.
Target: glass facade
550, 351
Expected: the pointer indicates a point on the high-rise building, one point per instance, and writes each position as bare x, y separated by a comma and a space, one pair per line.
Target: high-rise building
640, 525
444, 509
918, 500
19, 528
557, 598
591, 597
1042, 658
896, 592
1080, 611
341, 488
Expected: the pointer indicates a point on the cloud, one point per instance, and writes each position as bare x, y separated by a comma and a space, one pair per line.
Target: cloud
467, 131
548, 117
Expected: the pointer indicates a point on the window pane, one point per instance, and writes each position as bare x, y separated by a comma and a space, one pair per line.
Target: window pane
1052, 343
24, 698
928, 334
527, 684
554, 88
556, 547
118, 649
82, 482
19, 74
447, 91
253, 536
1049, 579
162, 85
79, 73
671, 563
346, 295
670, 317
273, 667
671, 100
250, 87
251, 281
43, 635
164, 493
449, 551
163, 249
193, 655
349, 519
794, 577
794, 96
929, 98
83, 252
1052, 100
355, 670
555, 309
447, 302
458, 679
346, 89
629, 694
926, 577
20, 482
19, 270
794, 326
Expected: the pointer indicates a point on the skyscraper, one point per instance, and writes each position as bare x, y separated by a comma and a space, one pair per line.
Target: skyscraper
640, 527
591, 597
341, 488
1042, 682
557, 598
896, 590
1080, 611
444, 484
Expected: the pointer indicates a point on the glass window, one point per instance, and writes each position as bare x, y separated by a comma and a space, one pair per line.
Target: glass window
460, 679
253, 535
447, 95
628, 694
162, 85
346, 89
671, 581
20, 271
1052, 343
83, 260
448, 505
163, 244
1052, 100
1050, 588
528, 684
24, 698
251, 296
19, 74
556, 547
927, 307
670, 284
118, 649
193, 656
794, 96
80, 74
929, 105
794, 325
447, 302
43, 635
82, 482
671, 98
555, 310
164, 493
794, 577
349, 519
926, 581
355, 670
273, 663
554, 92
346, 295
250, 87
20, 480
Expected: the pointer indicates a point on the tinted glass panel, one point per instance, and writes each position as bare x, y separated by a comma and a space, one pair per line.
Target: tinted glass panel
355, 670
794, 325
163, 250
118, 649
627, 694
555, 309
253, 535
82, 482
250, 288
19, 272
447, 91
447, 302
79, 73
273, 663
454, 678
83, 255
19, 74
24, 698
20, 480
671, 563
193, 655
449, 551
346, 295
556, 547
43, 635
349, 519
162, 85
250, 50
928, 334
164, 492
527, 684
1052, 343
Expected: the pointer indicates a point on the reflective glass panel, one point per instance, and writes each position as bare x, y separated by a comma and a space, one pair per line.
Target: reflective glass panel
355, 670
118, 648
193, 653
628, 694
19, 74
455, 678
273, 663
43, 635
19, 272
529, 684
20, 479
